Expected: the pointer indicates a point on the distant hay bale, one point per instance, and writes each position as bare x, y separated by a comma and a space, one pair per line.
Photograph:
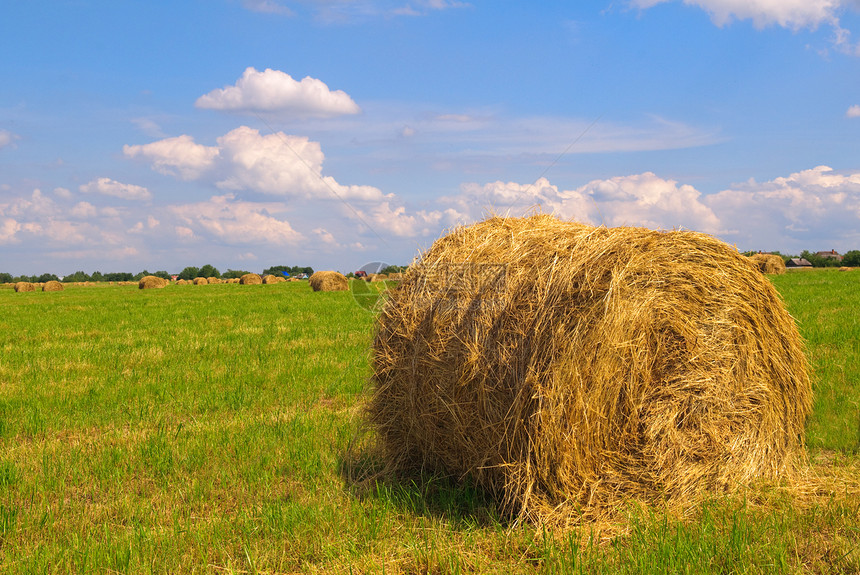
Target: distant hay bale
24, 286
200, 281
566, 368
213, 280
769, 263
379, 278
329, 281
182, 282
845, 269
250, 279
52, 285
152, 282
395, 276
272, 279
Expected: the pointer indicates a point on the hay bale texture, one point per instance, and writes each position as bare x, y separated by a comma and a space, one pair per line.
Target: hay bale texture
200, 281
24, 286
52, 285
272, 279
566, 368
329, 281
769, 263
152, 282
250, 279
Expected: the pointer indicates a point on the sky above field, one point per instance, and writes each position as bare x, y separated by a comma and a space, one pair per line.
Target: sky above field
252, 133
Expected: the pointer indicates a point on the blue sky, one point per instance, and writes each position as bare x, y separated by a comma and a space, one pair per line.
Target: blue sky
252, 133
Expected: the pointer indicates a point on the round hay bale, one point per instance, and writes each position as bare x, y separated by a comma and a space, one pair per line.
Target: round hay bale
24, 286
213, 280
199, 281
151, 282
378, 278
272, 279
329, 281
769, 263
565, 368
845, 269
52, 285
182, 282
250, 279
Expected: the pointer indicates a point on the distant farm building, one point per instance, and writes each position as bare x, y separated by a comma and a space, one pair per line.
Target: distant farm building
830, 255
798, 263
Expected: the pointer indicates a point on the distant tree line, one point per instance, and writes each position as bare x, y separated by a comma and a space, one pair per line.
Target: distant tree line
189, 273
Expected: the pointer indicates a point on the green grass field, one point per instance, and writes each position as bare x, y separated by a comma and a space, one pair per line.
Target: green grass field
214, 429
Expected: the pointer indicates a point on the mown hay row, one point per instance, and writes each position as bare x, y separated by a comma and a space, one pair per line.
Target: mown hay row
566, 368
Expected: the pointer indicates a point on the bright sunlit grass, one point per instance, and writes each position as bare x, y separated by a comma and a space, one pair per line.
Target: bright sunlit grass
210, 429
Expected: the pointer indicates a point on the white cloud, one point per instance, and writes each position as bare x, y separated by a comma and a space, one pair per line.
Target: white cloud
792, 14
853, 112
8, 229
650, 201
266, 7
108, 187
63, 193
7, 139
276, 91
276, 164
179, 156
83, 210
235, 222
515, 199
789, 212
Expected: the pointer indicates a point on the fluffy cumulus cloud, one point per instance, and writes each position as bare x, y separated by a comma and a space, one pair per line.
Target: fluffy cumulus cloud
7, 139
651, 201
234, 222
511, 198
793, 14
853, 112
277, 164
276, 91
387, 218
818, 204
108, 187
179, 156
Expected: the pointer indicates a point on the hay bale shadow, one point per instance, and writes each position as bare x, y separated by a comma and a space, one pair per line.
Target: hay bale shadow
421, 493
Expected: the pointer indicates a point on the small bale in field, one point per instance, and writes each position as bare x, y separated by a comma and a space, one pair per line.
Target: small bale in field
845, 269
200, 281
151, 282
272, 279
769, 263
379, 278
250, 279
328, 281
52, 285
213, 280
24, 286
182, 282
567, 368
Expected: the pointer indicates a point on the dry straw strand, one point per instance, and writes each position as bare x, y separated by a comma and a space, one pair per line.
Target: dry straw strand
328, 281
568, 368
